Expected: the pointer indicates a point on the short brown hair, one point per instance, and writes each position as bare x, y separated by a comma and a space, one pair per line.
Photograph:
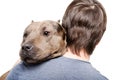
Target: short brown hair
85, 23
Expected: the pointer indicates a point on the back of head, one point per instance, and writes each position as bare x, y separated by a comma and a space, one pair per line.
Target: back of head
85, 23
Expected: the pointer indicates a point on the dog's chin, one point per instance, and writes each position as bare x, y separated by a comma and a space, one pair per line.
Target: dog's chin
34, 60
30, 61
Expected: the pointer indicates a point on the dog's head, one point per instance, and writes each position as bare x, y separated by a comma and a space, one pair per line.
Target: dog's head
42, 41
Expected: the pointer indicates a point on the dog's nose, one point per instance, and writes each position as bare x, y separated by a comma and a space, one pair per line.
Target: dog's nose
27, 47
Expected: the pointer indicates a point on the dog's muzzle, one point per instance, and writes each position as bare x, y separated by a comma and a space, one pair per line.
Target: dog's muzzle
27, 52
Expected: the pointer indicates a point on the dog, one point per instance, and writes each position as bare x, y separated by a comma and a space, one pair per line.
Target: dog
42, 41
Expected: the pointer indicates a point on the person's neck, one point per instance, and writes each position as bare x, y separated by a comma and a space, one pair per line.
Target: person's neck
82, 55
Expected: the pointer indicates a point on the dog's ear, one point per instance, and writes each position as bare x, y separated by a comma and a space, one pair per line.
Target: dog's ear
58, 21
63, 29
32, 21
61, 26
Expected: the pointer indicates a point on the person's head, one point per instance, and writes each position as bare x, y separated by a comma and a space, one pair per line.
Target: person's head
85, 23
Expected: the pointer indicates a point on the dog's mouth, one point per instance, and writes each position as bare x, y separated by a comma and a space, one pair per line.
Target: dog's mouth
27, 57
35, 59
32, 60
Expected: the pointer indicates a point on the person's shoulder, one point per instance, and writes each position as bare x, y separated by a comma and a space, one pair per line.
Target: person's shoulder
96, 74
100, 77
17, 68
14, 71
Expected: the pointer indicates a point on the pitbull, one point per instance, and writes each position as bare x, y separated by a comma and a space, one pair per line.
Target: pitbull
42, 41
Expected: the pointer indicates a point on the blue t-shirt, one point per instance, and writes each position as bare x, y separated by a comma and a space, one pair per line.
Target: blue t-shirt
60, 68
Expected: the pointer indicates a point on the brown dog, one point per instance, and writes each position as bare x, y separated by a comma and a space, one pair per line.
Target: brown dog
42, 41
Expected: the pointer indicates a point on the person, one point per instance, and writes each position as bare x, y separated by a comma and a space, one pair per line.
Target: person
85, 24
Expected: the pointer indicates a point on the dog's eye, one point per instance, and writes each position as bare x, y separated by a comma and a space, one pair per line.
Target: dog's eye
46, 33
25, 35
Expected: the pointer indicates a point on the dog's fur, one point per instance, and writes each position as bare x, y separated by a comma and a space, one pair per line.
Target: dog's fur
42, 41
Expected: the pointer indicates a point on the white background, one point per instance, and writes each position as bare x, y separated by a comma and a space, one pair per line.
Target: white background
15, 15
